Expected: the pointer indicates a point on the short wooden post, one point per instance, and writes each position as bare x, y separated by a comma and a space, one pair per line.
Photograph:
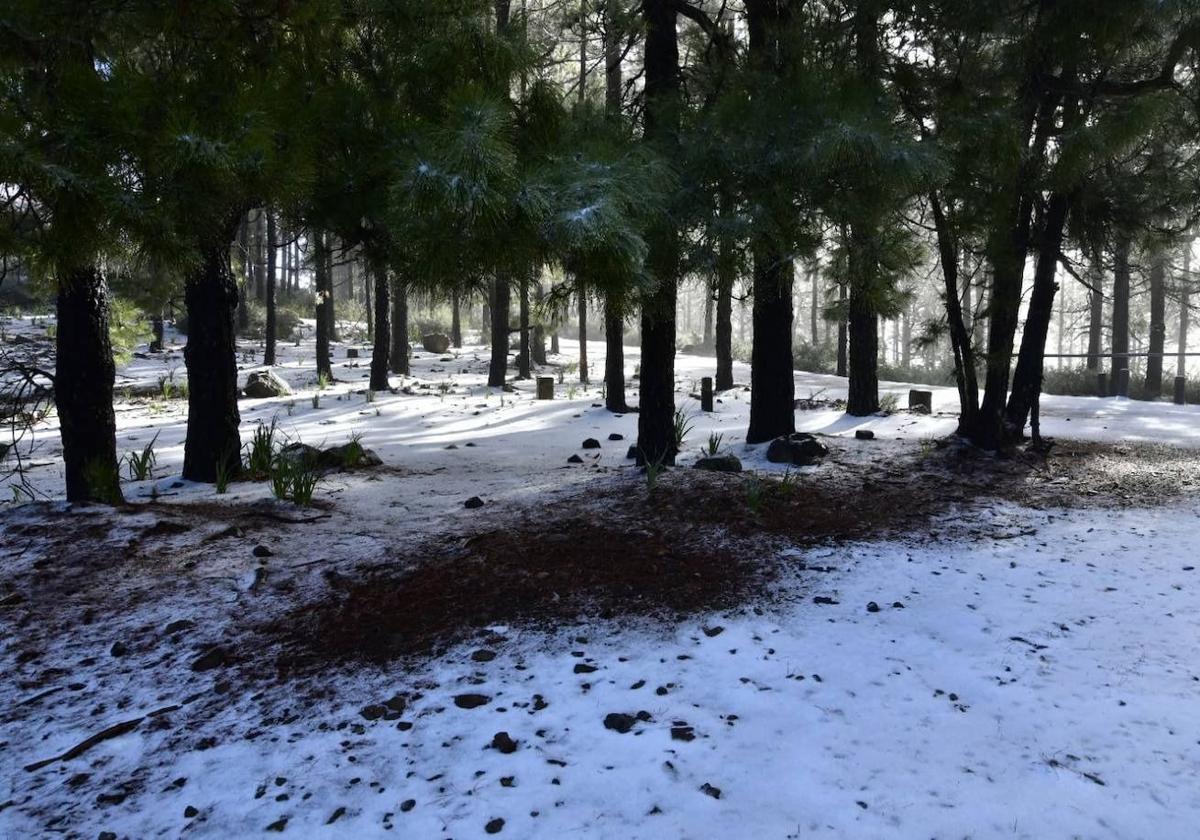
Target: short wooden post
1180, 390
1123, 383
919, 400
351, 352
706, 394
545, 387
1101, 384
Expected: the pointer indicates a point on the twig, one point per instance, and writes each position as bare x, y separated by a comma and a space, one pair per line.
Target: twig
114, 731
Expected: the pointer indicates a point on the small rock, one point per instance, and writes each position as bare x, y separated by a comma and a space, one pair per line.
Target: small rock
118, 649
720, 463
483, 655
682, 733
397, 704
261, 550
713, 631
471, 701
824, 599
714, 792
190, 811
591, 443
899, 605
407, 805
179, 626
799, 448
279, 824
374, 711
581, 668
619, 722
616, 436
262, 384
864, 434
502, 742
574, 459
872, 607
214, 657
494, 826
632, 451
435, 342
473, 503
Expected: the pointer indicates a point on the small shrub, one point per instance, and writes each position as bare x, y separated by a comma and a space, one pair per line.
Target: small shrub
653, 471
294, 481
354, 451
714, 443
888, 403
224, 475
683, 425
141, 464
262, 449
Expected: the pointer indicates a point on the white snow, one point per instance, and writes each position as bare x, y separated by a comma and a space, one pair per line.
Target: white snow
1041, 679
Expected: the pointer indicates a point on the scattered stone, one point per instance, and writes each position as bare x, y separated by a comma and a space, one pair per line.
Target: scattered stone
720, 463
473, 503
262, 384
494, 826
591, 443
581, 668
872, 607
338, 813
799, 448
714, 792
632, 451
179, 626
407, 805
261, 550
864, 434
450, 446
574, 459
214, 657
483, 655
616, 436
502, 742
471, 701
899, 605
279, 824
619, 722
374, 711
713, 631
435, 342
118, 649
190, 811
683, 733
397, 704
824, 599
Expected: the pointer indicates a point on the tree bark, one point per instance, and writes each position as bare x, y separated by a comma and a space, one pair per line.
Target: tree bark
271, 327
726, 275
1095, 318
843, 337
324, 303
1158, 327
83, 388
1120, 312
523, 356
1031, 360
381, 340
614, 358
211, 296
498, 367
583, 354
772, 384
1184, 305
538, 350
862, 324
656, 414
960, 338
398, 354
455, 319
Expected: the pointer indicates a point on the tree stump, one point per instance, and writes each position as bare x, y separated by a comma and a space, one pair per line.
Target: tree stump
706, 394
1123, 383
545, 387
1102, 384
920, 401
351, 352
1180, 390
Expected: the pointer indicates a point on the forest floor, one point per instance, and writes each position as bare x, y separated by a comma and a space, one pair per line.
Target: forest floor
910, 639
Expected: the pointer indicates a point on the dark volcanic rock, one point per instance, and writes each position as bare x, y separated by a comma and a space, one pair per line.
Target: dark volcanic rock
471, 701
591, 443
720, 463
502, 742
800, 448
473, 503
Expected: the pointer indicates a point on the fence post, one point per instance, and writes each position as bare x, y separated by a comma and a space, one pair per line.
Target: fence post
1123, 383
1102, 385
1180, 390
706, 394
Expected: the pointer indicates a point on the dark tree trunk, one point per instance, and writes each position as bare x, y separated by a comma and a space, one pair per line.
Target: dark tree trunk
1120, 313
158, 330
324, 299
455, 319
271, 328
398, 357
498, 367
815, 276
1031, 361
369, 305
1158, 327
211, 297
1095, 319
523, 369
842, 336
330, 309
381, 341
614, 357
708, 317
723, 332
862, 325
583, 356
1184, 308
656, 414
960, 338
538, 350
260, 255
772, 384
83, 388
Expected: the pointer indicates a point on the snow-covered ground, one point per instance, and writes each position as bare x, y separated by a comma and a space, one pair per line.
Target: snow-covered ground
1027, 672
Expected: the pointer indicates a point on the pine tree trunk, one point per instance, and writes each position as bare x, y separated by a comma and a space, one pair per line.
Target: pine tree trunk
398, 356
498, 366
656, 411
1095, 319
723, 332
331, 329
1158, 327
772, 384
862, 325
1031, 360
1120, 312
271, 328
538, 350
614, 358
211, 296
324, 303
1184, 306
708, 318
455, 319
381, 342
83, 388
583, 355
842, 336
815, 276
961, 345
369, 305
523, 357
